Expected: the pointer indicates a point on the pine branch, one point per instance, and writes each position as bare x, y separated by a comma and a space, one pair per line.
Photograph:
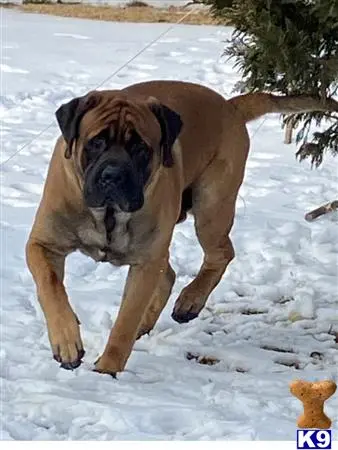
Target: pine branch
289, 47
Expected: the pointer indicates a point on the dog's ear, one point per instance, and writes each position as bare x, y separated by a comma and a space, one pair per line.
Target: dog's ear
69, 116
171, 125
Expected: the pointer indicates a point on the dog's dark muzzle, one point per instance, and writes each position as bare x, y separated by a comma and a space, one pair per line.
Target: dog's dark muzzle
114, 185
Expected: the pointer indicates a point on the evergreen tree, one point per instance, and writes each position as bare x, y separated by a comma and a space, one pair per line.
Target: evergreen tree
288, 47
217, 6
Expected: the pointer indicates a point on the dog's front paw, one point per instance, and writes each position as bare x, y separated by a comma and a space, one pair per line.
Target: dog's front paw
65, 339
110, 363
187, 307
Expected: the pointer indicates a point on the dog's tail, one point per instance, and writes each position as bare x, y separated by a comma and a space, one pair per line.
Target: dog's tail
254, 105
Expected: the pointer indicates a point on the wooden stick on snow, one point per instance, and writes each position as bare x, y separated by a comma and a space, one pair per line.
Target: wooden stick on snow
324, 209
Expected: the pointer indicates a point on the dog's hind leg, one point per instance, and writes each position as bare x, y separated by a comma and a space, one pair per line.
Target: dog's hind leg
214, 210
213, 235
158, 302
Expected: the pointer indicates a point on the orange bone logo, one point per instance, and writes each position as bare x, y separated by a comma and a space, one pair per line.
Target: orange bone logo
313, 396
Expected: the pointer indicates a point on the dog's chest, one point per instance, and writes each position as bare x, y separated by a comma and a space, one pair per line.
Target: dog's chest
108, 238
118, 231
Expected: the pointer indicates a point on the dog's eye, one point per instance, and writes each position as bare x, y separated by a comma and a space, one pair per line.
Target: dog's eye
97, 143
95, 146
139, 151
137, 146
142, 155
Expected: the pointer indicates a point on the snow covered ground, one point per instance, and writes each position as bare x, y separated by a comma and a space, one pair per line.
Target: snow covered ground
285, 267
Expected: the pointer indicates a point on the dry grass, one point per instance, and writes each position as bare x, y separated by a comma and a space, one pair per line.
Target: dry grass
205, 360
145, 14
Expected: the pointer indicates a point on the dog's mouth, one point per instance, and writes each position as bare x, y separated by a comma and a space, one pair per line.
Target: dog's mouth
125, 205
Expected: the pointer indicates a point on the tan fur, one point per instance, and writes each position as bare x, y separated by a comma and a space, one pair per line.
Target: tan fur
254, 105
209, 159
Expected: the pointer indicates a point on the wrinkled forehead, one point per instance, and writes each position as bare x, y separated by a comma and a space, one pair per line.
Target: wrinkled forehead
121, 115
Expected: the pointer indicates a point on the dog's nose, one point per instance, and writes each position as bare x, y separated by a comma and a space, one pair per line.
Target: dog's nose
111, 174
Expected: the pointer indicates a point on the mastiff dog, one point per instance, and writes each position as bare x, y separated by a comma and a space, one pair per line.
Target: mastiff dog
128, 166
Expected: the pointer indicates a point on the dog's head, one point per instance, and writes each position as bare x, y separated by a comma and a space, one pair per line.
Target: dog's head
117, 143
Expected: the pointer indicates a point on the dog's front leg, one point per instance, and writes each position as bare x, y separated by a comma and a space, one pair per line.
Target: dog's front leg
47, 268
142, 281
